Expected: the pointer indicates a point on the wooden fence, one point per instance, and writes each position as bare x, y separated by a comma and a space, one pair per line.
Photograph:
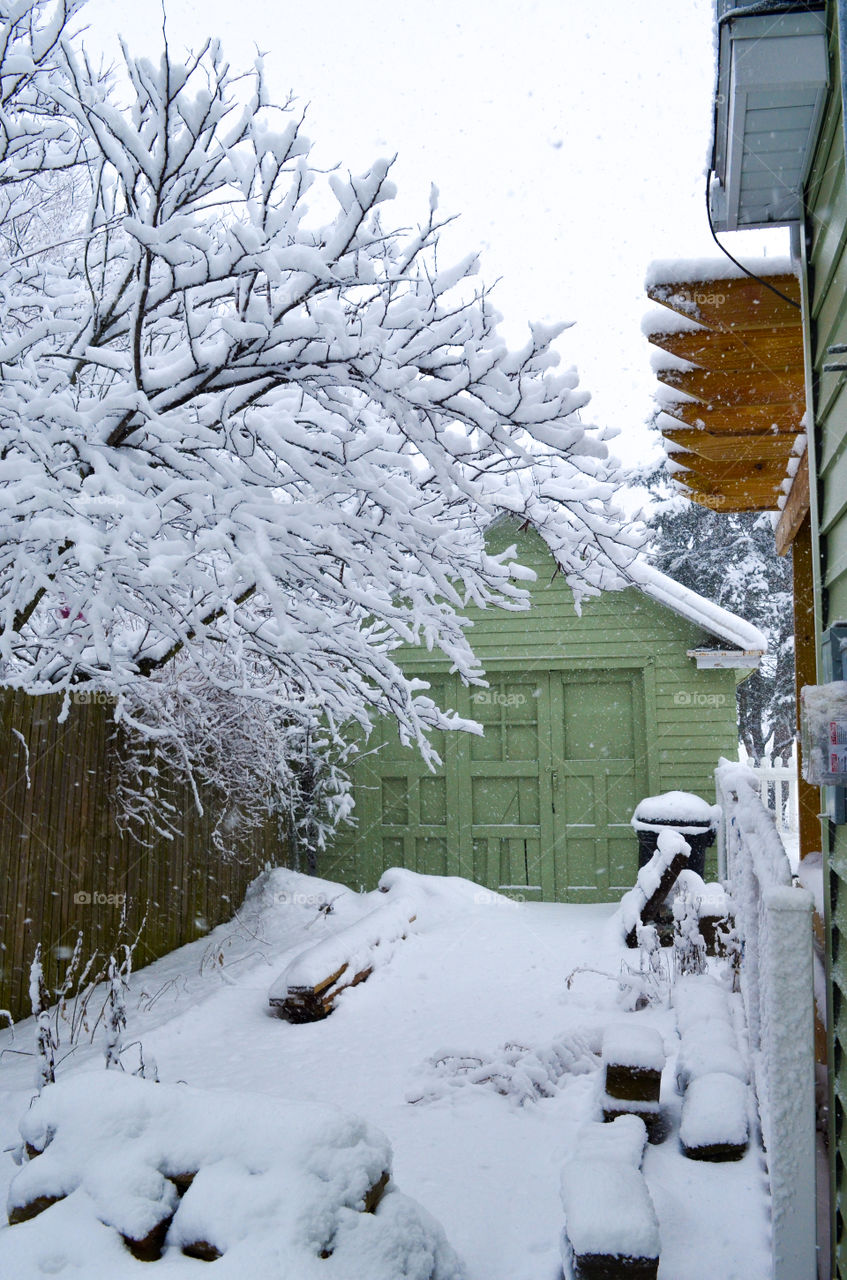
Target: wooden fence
65, 866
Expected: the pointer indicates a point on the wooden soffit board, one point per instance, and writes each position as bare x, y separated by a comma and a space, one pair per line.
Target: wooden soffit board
732, 416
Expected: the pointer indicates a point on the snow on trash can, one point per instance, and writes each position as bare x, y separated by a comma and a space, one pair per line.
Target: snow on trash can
684, 812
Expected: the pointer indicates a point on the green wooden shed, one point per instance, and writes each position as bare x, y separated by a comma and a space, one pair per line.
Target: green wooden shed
583, 716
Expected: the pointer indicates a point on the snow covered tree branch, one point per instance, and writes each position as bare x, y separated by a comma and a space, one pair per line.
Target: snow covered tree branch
244, 423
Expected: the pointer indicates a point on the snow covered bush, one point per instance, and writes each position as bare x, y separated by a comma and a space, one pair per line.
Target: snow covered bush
518, 1072
242, 419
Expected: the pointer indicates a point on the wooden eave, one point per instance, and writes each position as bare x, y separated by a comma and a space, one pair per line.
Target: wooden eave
742, 394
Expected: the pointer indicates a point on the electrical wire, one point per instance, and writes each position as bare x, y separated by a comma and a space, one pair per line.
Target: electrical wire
738, 264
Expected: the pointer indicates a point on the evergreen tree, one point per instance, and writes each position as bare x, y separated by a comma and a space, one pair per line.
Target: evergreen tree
730, 557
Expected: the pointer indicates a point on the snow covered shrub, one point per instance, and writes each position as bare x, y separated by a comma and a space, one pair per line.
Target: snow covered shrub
45, 1044
689, 949
90, 992
517, 1072
246, 756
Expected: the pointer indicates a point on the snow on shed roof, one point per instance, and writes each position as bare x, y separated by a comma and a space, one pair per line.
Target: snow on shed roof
688, 604
681, 600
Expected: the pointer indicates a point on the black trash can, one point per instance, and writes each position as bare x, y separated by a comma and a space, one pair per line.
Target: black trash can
682, 811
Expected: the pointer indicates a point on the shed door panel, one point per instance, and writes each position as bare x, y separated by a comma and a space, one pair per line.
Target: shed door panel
408, 816
507, 783
599, 775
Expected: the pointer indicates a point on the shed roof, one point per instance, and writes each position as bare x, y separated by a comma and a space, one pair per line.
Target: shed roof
712, 618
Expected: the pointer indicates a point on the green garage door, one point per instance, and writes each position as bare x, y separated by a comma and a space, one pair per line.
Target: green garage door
537, 806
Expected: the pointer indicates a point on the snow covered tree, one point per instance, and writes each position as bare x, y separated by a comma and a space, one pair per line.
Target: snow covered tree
730, 557
243, 422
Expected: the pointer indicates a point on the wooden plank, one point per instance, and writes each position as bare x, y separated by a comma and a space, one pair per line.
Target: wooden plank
805, 672
796, 508
726, 305
741, 495
753, 387
774, 348
739, 419
729, 448
719, 472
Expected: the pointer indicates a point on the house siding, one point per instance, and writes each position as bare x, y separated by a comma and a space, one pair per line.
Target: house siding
826, 202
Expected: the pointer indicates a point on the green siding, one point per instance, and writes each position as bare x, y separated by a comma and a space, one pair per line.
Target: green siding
584, 716
827, 224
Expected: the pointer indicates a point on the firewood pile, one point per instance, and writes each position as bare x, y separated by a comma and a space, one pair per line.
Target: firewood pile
307, 989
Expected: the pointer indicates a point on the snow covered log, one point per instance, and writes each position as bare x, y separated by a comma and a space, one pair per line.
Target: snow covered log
308, 987
714, 1123
611, 1229
644, 901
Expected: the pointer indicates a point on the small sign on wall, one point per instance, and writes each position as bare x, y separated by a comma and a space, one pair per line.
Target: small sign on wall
823, 720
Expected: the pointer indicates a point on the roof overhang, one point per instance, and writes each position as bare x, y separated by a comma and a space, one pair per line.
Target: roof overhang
772, 79
735, 659
733, 396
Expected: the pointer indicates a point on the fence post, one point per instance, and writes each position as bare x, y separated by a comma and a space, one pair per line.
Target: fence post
788, 1070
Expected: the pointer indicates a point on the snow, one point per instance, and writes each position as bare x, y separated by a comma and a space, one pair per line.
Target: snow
687, 812
688, 604
681, 271
714, 1111
624, 1138
704, 1055
608, 1209
626, 1045
696, 997
669, 845
481, 975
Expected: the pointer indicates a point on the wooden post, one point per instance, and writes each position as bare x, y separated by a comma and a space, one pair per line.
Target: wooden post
805, 672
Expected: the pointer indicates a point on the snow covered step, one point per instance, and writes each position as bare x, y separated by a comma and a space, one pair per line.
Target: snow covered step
633, 1060
703, 1055
307, 988
697, 997
611, 1229
714, 1123
623, 1139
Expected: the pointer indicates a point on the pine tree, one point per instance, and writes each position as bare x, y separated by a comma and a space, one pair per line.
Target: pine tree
730, 557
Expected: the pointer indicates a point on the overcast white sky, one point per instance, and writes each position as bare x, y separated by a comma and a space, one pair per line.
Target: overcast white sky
570, 136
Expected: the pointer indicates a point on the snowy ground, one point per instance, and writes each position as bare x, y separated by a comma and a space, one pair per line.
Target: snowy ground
480, 974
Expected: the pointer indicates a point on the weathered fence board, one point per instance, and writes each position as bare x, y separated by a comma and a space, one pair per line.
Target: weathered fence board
65, 866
